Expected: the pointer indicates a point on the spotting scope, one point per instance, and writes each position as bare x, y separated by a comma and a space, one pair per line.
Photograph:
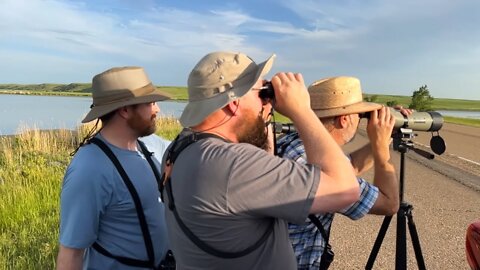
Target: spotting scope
417, 121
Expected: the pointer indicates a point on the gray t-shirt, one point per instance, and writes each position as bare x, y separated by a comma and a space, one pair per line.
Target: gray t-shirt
228, 194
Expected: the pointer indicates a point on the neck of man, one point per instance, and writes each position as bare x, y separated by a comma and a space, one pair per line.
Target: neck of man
220, 124
118, 133
337, 135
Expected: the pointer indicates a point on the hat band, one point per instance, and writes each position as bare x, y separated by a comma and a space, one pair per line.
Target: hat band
123, 96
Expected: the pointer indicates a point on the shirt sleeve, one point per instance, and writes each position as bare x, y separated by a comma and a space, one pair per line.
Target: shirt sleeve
292, 148
368, 196
86, 192
264, 185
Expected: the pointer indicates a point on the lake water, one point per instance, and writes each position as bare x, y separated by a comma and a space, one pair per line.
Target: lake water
51, 112
462, 114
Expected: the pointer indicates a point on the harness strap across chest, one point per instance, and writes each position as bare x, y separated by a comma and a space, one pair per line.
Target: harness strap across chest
150, 263
178, 146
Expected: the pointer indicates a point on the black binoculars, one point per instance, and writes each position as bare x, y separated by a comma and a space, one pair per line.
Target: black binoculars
266, 91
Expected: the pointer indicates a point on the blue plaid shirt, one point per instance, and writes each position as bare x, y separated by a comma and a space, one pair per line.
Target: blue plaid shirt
307, 241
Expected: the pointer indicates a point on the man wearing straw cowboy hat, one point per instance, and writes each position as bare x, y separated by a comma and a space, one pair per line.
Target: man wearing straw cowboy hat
338, 102
111, 213
228, 200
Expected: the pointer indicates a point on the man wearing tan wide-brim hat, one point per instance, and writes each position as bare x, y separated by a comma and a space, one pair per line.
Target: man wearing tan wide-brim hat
111, 213
338, 102
229, 199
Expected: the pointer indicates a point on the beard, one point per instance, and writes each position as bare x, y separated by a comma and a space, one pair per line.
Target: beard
349, 138
350, 135
142, 126
254, 131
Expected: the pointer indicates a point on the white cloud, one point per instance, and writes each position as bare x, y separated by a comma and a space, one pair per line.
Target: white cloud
391, 46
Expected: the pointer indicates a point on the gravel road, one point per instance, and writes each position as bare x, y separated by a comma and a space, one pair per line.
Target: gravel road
445, 194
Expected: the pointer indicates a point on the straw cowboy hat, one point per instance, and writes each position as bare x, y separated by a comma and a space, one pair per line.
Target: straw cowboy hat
338, 96
121, 86
217, 79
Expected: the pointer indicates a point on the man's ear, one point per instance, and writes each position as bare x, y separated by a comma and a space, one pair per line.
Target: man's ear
342, 121
124, 112
233, 106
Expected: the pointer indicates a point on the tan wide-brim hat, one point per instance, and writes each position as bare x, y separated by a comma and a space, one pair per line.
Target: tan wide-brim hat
217, 79
338, 96
121, 86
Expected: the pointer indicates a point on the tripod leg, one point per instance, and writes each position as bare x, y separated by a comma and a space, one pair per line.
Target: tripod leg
378, 242
415, 241
401, 244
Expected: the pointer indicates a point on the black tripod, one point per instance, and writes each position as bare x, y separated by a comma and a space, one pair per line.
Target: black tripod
401, 143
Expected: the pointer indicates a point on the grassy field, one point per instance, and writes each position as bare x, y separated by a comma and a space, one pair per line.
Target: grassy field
462, 121
437, 104
32, 165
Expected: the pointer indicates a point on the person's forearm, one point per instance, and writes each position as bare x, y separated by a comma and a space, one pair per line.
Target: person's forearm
69, 258
386, 180
322, 150
362, 159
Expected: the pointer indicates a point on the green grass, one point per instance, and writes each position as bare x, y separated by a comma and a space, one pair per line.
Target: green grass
31, 171
462, 121
177, 93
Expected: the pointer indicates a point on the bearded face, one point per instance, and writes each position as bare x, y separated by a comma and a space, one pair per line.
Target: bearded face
350, 132
253, 130
142, 123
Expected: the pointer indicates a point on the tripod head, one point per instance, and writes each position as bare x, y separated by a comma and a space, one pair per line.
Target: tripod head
402, 141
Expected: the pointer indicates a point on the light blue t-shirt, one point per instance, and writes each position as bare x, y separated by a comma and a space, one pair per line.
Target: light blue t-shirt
96, 206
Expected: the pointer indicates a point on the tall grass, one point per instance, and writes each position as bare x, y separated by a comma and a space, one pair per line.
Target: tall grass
32, 165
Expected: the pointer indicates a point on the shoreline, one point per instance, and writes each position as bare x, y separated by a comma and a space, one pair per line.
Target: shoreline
61, 94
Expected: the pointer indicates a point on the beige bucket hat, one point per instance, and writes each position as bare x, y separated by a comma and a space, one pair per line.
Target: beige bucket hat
217, 79
338, 96
121, 86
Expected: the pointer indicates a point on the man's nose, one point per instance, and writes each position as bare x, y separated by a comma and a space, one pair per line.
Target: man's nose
156, 108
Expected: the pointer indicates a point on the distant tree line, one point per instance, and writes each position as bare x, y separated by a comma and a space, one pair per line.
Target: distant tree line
421, 100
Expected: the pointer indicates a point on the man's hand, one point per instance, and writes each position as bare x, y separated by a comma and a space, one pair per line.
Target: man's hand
402, 110
291, 95
379, 130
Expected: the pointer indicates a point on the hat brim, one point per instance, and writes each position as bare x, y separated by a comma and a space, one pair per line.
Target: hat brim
102, 110
196, 111
359, 107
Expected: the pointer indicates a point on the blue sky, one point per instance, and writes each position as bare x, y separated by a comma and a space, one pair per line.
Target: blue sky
394, 47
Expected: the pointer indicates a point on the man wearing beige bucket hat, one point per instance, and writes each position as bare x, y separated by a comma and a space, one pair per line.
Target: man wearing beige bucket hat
338, 102
228, 199
111, 214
